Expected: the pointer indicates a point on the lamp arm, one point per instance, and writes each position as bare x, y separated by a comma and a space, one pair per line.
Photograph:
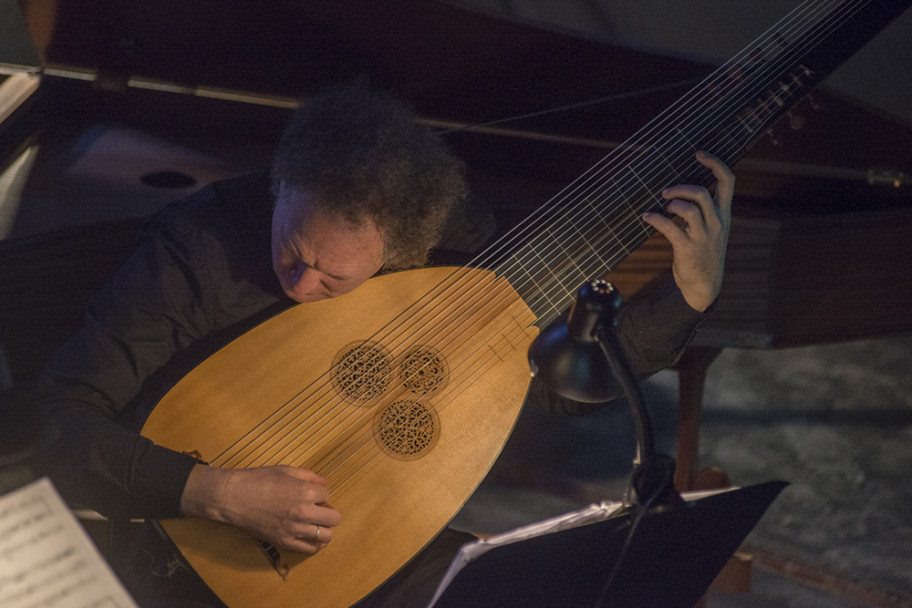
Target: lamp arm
610, 345
653, 473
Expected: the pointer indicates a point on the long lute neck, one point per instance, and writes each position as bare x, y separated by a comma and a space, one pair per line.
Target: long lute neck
595, 222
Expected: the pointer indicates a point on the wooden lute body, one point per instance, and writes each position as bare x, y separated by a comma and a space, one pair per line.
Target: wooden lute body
402, 392
403, 408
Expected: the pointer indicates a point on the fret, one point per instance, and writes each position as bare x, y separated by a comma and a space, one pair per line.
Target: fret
644, 200
537, 291
608, 232
678, 177
604, 224
562, 265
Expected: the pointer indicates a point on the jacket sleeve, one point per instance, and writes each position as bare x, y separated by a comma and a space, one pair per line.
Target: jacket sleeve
134, 326
654, 328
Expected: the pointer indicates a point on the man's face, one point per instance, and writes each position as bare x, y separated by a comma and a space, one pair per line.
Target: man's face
316, 255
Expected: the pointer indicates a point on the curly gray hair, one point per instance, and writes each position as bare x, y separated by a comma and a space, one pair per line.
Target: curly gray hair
364, 156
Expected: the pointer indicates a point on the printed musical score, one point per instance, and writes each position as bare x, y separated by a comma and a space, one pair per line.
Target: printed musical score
46, 558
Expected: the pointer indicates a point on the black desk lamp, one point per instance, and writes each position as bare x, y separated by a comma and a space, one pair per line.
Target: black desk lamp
581, 358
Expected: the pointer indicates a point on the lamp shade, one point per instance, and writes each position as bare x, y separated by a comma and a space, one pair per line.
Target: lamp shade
567, 356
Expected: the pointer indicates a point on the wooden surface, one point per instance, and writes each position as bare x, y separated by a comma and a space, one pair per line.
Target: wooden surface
814, 279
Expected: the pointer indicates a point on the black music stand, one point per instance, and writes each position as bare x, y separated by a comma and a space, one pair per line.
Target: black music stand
672, 557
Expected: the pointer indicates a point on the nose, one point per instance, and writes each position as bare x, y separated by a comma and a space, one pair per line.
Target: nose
304, 279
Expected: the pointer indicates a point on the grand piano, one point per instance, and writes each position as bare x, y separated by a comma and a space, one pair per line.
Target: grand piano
139, 103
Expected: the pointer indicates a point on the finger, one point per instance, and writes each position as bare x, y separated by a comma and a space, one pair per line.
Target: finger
302, 474
686, 200
313, 538
301, 545
311, 488
322, 535
725, 179
693, 214
667, 227
307, 516
324, 516
307, 538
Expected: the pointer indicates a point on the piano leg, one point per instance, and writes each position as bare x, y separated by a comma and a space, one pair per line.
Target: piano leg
692, 368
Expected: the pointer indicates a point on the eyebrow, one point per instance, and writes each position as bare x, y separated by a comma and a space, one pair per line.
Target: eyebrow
338, 278
297, 253
335, 277
329, 274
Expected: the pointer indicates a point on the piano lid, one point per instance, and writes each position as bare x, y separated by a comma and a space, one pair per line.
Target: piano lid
449, 61
455, 64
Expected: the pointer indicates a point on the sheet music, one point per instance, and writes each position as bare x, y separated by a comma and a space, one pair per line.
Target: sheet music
470, 551
46, 558
587, 515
